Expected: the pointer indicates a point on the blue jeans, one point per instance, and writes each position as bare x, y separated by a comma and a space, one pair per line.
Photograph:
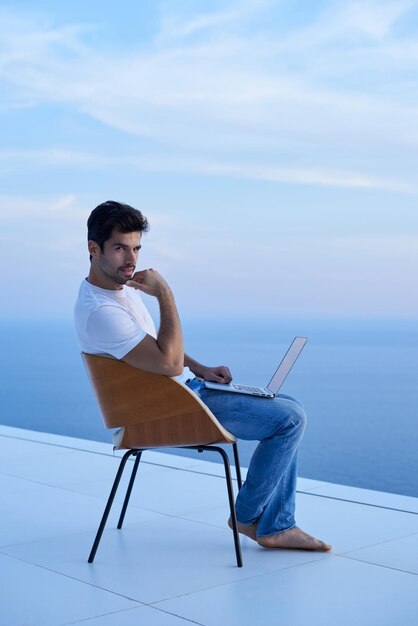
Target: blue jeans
267, 498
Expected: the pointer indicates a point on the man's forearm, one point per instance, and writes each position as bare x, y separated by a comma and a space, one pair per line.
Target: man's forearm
217, 374
194, 366
170, 336
163, 355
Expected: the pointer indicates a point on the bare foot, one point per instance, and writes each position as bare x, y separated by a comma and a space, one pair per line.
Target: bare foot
244, 529
293, 539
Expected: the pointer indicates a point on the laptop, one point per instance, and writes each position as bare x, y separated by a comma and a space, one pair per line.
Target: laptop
277, 379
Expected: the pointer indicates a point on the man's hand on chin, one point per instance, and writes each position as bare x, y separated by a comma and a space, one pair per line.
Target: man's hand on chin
150, 282
218, 374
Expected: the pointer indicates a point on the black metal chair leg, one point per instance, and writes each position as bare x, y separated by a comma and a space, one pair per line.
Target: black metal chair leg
109, 504
231, 505
230, 497
128, 491
237, 465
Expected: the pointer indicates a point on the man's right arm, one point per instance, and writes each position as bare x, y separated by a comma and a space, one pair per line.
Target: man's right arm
165, 354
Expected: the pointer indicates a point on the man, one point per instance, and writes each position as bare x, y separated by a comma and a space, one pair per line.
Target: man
111, 318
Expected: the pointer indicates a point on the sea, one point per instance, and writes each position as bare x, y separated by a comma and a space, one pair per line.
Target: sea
358, 380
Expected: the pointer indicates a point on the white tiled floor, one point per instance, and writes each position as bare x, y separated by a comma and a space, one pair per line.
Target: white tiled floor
330, 591
35, 595
401, 554
173, 562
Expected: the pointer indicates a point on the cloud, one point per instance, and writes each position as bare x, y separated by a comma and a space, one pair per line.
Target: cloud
236, 12
17, 160
313, 106
173, 27
375, 19
353, 23
317, 177
26, 213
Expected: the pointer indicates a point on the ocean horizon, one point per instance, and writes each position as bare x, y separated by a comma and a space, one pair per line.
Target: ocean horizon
356, 378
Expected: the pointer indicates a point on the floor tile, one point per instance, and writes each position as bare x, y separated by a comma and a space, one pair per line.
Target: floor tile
43, 512
56, 440
14, 451
399, 554
159, 559
217, 469
33, 596
214, 516
142, 616
171, 460
72, 467
61, 443
171, 491
344, 525
323, 593
348, 526
11, 485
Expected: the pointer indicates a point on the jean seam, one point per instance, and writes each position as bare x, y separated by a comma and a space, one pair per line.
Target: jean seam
282, 495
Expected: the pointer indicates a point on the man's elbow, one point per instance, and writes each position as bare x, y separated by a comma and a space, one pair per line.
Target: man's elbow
174, 368
145, 356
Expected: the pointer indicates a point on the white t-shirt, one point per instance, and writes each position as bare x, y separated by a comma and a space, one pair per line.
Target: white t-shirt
113, 321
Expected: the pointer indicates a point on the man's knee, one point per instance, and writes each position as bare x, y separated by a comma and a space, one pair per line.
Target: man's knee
297, 416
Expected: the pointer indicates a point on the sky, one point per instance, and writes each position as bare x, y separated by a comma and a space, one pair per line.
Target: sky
272, 146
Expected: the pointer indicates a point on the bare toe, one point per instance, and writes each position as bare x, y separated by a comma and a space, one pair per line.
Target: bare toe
293, 539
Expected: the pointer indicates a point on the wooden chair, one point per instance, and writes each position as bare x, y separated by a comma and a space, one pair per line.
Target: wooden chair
154, 411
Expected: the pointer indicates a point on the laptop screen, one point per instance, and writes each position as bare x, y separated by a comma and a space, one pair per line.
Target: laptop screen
286, 364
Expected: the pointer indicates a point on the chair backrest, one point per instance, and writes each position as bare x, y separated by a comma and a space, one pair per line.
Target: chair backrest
154, 410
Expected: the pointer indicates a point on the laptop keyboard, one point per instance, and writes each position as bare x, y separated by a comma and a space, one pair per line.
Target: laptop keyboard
248, 388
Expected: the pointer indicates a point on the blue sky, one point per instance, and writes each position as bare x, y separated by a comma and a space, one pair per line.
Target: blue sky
272, 145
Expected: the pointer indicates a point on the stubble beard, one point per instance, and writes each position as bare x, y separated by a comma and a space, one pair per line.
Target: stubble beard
116, 277
122, 280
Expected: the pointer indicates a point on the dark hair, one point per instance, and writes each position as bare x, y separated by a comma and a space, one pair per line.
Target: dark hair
110, 215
